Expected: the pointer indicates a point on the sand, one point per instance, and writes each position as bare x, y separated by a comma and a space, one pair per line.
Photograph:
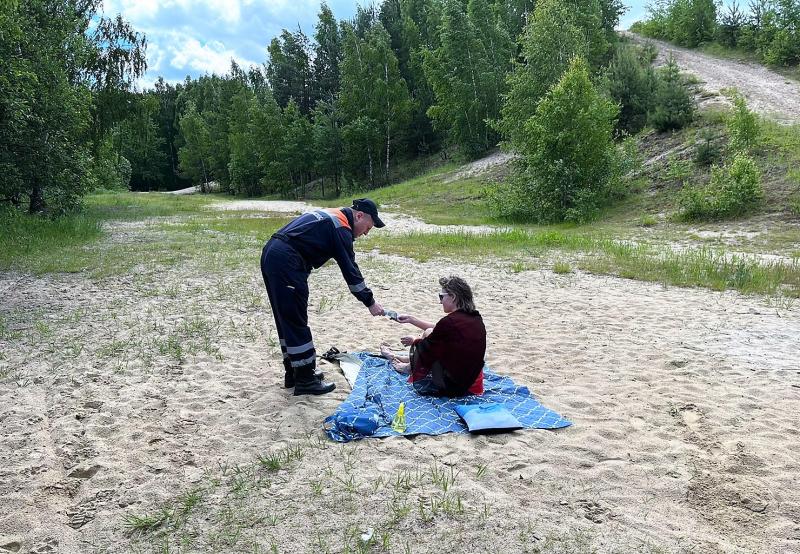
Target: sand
123, 397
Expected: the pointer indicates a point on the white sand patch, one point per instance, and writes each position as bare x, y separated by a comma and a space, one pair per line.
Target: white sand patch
278, 206
481, 166
396, 223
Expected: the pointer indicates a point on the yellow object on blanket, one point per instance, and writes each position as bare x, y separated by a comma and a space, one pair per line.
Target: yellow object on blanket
399, 421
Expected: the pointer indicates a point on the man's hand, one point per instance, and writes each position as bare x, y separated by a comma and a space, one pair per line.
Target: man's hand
407, 340
376, 309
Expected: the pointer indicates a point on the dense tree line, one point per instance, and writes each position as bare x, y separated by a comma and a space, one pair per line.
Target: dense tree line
768, 28
338, 108
401, 79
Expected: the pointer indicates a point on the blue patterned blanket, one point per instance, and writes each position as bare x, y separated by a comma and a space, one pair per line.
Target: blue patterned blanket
379, 390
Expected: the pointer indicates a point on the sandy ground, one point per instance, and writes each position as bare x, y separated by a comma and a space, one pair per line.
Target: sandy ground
128, 396
767, 92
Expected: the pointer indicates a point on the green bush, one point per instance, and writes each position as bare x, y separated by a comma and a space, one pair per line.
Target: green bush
569, 165
784, 48
742, 126
110, 173
733, 190
673, 105
708, 150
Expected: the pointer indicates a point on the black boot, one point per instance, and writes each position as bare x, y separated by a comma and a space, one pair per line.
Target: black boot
306, 382
288, 377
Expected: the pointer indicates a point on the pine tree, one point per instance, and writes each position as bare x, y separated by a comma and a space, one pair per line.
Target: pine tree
570, 166
289, 71
373, 94
327, 55
243, 166
328, 147
297, 146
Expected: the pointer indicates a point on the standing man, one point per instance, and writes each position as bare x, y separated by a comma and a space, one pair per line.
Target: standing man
286, 262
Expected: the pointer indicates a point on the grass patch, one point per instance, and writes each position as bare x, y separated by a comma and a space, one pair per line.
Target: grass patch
132, 206
26, 239
690, 268
562, 268
71, 244
784, 138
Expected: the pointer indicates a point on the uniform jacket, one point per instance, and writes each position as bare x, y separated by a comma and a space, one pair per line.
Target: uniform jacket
321, 235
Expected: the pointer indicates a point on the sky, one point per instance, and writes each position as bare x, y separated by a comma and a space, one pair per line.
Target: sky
195, 37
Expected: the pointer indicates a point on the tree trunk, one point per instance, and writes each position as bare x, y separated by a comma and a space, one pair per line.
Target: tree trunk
388, 121
36, 198
204, 184
371, 176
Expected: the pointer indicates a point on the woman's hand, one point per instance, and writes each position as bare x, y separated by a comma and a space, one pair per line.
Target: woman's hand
405, 318
407, 340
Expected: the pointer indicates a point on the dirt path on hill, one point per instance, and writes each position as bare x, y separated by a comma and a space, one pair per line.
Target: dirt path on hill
766, 92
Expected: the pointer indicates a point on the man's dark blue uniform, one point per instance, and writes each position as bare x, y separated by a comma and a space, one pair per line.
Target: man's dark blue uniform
286, 262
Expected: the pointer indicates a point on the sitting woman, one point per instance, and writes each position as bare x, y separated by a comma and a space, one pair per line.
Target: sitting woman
447, 360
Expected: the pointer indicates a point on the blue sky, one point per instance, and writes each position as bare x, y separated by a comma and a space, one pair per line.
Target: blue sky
193, 37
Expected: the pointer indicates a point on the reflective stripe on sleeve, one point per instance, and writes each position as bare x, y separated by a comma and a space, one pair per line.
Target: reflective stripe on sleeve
358, 288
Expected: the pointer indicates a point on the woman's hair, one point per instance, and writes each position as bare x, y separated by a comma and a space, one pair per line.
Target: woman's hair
461, 292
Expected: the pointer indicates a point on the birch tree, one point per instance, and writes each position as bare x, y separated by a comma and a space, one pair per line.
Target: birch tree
457, 71
374, 99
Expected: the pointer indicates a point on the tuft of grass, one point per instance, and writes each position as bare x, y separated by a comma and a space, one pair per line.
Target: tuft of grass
147, 523
562, 268
647, 221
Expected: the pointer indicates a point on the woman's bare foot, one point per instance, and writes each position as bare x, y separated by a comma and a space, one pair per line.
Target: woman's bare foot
401, 366
386, 352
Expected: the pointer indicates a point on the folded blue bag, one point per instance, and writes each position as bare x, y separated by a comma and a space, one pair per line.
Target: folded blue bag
354, 423
487, 417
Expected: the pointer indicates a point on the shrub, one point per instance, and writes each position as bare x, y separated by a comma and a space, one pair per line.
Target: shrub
742, 126
569, 164
114, 173
673, 105
732, 191
784, 48
708, 151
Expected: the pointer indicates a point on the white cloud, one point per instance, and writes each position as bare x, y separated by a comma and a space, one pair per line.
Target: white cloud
212, 57
228, 10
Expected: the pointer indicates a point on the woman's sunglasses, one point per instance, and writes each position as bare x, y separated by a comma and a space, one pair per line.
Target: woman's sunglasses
442, 295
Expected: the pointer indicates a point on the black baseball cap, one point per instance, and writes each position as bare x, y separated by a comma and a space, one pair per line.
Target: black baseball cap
368, 207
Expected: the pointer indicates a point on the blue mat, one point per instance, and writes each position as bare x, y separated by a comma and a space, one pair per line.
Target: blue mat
379, 390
